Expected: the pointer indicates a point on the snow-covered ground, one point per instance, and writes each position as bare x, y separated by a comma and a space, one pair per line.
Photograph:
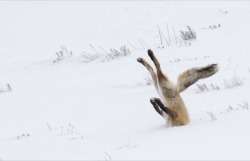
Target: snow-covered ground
100, 110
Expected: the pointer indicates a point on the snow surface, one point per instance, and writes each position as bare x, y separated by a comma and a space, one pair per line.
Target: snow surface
101, 110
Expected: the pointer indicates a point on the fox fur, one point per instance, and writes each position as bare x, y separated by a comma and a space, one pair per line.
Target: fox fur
172, 104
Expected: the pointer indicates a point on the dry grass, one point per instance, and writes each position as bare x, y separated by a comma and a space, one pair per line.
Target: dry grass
190, 34
213, 117
62, 54
233, 82
147, 81
5, 88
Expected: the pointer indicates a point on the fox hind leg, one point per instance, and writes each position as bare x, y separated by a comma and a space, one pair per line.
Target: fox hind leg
160, 75
165, 84
151, 71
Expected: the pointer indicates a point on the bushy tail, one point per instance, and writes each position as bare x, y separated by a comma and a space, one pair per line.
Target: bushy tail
192, 75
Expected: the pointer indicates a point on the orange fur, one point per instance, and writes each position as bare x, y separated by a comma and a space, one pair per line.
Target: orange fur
173, 104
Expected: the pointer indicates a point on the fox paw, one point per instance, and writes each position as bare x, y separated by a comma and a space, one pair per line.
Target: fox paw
152, 100
140, 60
150, 53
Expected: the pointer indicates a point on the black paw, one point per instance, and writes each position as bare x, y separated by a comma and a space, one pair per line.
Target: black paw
140, 60
158, 101
153, 100
150, 54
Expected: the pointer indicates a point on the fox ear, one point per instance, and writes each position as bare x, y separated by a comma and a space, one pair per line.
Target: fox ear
192, 75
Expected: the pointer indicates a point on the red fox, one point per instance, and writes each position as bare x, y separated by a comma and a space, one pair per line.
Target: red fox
172, 104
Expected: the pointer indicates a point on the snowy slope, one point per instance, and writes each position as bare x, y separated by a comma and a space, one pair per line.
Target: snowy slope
101, 110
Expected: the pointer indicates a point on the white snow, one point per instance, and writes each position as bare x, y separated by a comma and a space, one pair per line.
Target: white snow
97, 110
